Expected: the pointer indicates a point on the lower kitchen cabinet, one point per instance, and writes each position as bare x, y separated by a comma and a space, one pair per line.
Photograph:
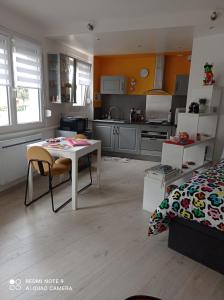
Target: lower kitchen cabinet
105, 133
118, 138
144, 141
127, 139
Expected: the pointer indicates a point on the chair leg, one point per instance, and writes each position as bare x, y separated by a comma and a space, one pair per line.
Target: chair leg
52, 198
27, 183
51, 192
44, 194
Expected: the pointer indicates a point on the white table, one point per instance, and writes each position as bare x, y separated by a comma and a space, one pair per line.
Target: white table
74, 154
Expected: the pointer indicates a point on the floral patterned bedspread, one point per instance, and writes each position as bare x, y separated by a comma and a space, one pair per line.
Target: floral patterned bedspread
201, 199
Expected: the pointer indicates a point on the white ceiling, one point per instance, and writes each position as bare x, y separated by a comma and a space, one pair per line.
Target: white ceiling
121, 25
133, 41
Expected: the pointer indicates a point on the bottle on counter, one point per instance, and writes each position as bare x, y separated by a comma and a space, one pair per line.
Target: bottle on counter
132, 115
169, 117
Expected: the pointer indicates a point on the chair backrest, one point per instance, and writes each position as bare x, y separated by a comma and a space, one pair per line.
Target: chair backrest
40, 158
80, 136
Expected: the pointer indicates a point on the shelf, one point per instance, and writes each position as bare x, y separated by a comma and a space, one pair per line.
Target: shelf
199, 114
186, 172
193, 144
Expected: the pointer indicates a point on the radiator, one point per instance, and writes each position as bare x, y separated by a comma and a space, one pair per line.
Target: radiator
13, 163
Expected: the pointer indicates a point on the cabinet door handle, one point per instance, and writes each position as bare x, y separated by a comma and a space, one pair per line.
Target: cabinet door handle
118, 131
114, 130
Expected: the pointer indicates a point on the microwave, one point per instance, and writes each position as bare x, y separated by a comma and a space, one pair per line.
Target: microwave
79, 125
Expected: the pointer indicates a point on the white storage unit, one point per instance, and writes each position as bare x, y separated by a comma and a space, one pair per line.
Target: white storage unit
155, 189
154, 192
177, 155
210, 92
197, 123
200, 152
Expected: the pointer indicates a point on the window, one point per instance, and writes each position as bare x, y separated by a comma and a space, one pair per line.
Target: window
20, 81
27, 78
4, 81
83, 81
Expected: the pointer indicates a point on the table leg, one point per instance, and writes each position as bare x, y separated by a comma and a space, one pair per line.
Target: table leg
30, 185
98, 165
75, 183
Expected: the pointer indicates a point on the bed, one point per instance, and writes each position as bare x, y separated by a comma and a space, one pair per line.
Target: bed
194, 214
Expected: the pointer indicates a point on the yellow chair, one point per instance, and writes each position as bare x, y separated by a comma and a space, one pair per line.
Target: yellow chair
43, 163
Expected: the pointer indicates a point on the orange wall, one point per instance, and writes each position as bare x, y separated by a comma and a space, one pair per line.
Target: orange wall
130, 66
174, 65
126, 65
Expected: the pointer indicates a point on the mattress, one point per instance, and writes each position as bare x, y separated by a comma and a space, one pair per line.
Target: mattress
201, 199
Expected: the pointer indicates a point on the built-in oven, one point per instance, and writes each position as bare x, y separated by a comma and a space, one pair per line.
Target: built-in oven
152, 141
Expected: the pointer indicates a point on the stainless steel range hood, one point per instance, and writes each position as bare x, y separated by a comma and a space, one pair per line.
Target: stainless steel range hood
159, 77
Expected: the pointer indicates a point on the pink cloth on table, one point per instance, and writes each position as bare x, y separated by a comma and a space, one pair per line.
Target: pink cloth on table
80, 142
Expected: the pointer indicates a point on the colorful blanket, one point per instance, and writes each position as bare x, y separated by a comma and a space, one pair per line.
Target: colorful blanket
201, 199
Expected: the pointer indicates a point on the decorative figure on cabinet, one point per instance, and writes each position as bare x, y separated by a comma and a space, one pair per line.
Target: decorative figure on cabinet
183, 138
132, 84
208, 74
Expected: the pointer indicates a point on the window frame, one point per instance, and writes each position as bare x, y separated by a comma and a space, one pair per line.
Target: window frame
13, 124
77, 60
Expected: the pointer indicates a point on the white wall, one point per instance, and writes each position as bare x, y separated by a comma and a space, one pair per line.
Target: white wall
27, 28
209, 49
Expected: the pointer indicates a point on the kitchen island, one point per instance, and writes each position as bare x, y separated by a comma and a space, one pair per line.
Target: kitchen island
140, 140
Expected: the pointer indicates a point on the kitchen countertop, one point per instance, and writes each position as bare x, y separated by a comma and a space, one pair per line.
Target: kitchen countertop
131, 123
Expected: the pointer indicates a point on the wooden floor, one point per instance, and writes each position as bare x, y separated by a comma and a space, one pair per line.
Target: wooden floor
102, 250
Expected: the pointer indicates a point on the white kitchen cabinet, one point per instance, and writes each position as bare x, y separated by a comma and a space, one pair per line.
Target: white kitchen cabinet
113, 85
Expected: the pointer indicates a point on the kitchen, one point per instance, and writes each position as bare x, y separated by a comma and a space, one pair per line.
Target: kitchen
135, 101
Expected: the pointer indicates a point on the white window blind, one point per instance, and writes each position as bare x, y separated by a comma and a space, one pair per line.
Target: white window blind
4, 60
83, 73
83, 81
27, 64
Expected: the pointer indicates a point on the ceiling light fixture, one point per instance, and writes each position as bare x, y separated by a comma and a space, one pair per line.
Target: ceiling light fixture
214, 15
90, 26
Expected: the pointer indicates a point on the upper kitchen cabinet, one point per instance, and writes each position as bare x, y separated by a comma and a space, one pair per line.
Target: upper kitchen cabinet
176, 73
113, 85
53, 77
181, 86
61, 76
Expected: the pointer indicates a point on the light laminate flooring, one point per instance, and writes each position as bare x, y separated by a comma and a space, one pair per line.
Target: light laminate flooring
102, 250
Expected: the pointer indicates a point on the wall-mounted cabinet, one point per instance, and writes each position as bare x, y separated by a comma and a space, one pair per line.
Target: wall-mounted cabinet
113, 85
61, 76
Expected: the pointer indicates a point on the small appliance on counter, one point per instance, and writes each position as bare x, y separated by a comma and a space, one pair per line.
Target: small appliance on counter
70, 126
136, 115
69, 123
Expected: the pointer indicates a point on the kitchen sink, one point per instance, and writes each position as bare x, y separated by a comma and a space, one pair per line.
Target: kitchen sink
111, 120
